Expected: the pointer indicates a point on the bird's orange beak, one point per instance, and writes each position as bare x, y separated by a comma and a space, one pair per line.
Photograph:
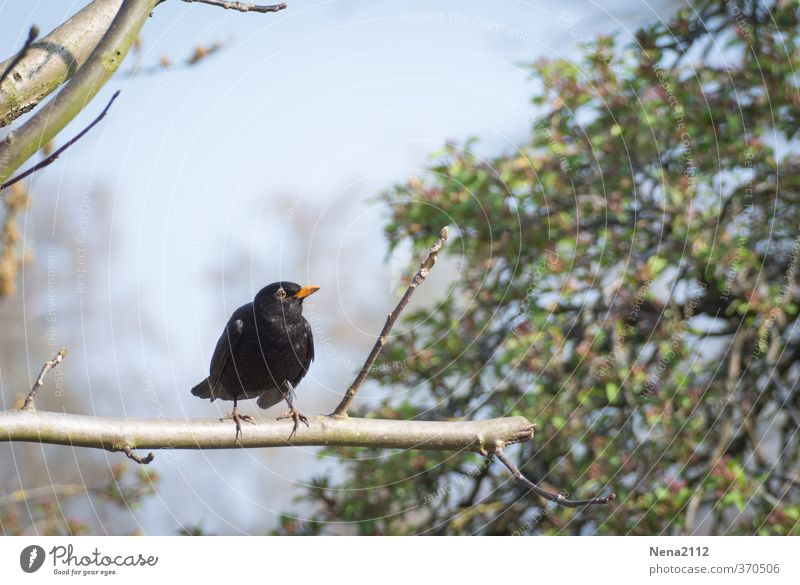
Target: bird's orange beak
306, 291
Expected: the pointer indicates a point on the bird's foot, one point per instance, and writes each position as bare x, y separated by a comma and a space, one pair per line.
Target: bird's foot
236, 417
296, 417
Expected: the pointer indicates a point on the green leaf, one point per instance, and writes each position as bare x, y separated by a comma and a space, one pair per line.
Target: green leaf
612, 392
656, 264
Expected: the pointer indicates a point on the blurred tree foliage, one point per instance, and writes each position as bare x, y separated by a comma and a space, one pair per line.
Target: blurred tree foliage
66, 509
629, 283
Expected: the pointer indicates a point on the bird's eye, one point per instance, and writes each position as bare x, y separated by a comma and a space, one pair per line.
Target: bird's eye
281, 294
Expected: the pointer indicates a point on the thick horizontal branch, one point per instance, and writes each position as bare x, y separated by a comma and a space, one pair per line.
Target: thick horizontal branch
48, 62
117, 434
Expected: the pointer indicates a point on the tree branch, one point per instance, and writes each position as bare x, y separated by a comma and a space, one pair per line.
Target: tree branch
45, 491
50, 159
100, 66
14, 61
419, 277
557, 498
53, 59
140, 460
242, 6
48, 365
120, 434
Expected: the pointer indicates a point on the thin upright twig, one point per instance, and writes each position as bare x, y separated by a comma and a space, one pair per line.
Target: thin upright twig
50, 159
48, 365
32, 34
419, 277
242, 6
557, 498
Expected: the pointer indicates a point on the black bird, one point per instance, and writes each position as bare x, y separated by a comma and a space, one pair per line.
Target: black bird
265, 350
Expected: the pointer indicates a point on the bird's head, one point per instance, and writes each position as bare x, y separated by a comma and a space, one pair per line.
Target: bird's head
284, 294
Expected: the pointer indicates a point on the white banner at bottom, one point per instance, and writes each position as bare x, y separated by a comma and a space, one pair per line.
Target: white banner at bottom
356, 560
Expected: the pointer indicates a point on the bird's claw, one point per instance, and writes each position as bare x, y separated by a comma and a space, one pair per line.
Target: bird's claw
236, 417
297, 418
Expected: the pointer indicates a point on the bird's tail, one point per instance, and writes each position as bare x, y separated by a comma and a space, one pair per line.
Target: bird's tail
203, 389
270, 398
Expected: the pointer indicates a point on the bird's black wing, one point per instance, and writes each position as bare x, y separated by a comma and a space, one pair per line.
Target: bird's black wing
227, 341
209, 388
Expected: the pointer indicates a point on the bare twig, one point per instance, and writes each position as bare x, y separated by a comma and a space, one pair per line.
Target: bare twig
42, 492
48, 365
419, 277
50, 159
140, 460
199, 54
557, 498
242, 6
32, 34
